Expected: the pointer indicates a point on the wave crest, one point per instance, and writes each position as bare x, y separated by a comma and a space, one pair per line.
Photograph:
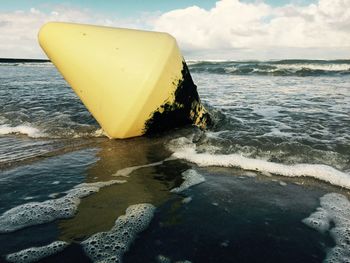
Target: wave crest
274, 68
183, 148
22, 129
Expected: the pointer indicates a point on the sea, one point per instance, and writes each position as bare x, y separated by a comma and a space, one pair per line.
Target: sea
269, 181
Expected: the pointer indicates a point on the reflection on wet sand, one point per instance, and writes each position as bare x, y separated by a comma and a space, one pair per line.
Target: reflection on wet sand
99, 211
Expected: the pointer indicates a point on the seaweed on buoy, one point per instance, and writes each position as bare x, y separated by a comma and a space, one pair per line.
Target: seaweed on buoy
186, 109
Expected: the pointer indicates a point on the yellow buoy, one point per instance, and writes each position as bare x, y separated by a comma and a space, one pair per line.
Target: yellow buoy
133, 82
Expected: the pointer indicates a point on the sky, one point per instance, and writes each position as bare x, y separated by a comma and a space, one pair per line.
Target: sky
204, 29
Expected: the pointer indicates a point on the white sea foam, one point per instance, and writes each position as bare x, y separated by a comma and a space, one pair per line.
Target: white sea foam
275, 132
128, 170
183, 148
34, 254
282, 183
268, 112
22, 129
110, 246
99, 133
225, 243
186, 200
194, 62
191, 178
250, 174
28, 197
35, 213
313, 66
36, 65
125, 172
79, 130
164, 259
334, 216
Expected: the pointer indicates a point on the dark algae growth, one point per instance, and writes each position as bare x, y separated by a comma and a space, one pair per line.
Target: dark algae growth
186, 109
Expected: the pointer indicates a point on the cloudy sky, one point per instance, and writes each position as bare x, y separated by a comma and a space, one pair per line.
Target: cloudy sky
205, 29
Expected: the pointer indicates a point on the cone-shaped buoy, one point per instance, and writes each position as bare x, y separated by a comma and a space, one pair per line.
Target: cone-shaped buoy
133, 82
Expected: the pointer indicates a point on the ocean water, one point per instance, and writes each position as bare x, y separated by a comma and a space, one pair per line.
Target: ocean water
269, 182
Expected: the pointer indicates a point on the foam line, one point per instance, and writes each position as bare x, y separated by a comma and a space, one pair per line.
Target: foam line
164, 259
125, 172
184, 149
191, 178
110, 246
334, 216
36, 213
34, 254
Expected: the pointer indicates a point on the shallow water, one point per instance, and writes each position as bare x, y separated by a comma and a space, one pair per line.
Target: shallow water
50, 143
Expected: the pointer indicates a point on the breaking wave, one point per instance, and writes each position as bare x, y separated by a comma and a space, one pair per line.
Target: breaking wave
22, 129
300, 68
185, 149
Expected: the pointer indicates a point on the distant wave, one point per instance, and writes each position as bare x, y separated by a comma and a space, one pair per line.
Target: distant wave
292, 67
27, 64
273, 68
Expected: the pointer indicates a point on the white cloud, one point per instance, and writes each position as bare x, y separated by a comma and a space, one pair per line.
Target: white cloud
257, 30
19, 29
230, 30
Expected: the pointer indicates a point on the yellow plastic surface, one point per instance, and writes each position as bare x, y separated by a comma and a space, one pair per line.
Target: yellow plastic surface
121, 75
